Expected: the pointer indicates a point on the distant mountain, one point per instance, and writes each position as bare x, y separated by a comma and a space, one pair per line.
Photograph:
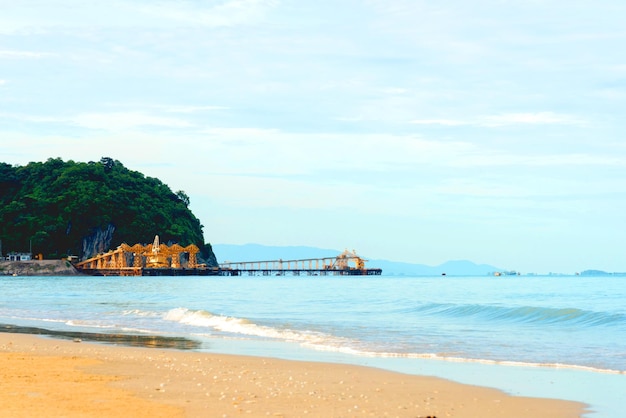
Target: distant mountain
601, 273
449, 268
594, 273
257, 252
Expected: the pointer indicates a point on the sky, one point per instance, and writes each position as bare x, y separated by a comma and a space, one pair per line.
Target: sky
408, 130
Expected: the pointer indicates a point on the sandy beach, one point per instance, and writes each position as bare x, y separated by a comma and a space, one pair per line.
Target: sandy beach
54, 378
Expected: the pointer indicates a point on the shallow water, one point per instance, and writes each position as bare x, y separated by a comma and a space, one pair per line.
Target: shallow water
541, 336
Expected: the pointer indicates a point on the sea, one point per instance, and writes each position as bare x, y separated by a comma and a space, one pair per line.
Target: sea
542, 336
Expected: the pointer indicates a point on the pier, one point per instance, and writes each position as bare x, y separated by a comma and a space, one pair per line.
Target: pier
141, 271
158, 259
345, 264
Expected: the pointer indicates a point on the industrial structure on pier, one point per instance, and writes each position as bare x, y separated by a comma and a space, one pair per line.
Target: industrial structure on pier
144, 260
158, 259
345, 264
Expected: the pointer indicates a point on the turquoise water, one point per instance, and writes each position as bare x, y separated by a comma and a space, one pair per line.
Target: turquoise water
561, 337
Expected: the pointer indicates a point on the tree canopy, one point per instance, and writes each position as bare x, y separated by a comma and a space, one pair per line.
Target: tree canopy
53, 206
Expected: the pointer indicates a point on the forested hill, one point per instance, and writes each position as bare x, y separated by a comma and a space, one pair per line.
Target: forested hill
73, 208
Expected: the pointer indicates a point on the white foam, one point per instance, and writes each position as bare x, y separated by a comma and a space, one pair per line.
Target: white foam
435, 356
240, 326
79, 323
144, 314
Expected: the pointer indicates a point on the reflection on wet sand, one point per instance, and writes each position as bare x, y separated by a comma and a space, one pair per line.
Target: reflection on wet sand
154, 341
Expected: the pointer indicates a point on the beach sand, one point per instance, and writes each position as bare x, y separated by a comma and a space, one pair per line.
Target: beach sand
62, 378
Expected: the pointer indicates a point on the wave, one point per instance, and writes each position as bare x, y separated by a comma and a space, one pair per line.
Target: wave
140, 313
325, 342
241, 326
525, 314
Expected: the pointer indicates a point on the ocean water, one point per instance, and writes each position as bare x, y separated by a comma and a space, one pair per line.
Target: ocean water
557, 336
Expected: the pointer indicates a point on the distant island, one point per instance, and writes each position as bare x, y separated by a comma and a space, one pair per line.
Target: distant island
59, 208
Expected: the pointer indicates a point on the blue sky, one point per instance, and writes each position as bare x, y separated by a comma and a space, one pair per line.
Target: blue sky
408, 130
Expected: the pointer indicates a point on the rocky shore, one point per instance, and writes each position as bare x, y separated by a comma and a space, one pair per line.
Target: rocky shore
38, 268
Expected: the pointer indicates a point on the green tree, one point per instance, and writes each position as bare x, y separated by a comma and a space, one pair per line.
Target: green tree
57, 205
183, 197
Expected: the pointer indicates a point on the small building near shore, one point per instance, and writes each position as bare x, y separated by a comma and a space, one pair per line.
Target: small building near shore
19, 256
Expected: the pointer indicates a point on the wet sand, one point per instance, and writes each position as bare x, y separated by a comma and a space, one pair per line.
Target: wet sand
59, 378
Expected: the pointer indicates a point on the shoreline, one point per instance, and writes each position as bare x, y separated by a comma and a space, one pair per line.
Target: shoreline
108, 380
130, 340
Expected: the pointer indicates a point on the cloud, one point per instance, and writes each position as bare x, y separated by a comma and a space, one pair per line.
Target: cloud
31, 118
9, 54
112, 122
247, 133
488, 158
166, 108
276, 153
183, 109
394, 90
224, 14
507, 119
117, 121
192, 109
42, 16
443, 122
539, 118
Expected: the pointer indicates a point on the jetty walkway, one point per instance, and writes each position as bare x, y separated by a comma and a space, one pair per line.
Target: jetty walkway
345, 264
158, 259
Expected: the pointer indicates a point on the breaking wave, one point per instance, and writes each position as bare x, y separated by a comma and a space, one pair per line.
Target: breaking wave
244, 327
325, 342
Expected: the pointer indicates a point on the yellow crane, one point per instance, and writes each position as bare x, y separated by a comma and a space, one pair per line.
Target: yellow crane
151, 256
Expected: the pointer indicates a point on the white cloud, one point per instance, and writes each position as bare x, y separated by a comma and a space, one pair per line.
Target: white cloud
226, 13
394, 90
166, 108
244, 133
117, 121
42, 16
489, 158
537, 118
507, 119
10, 54
444, 122
31, 118
276, 153
192, 109
111, 122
